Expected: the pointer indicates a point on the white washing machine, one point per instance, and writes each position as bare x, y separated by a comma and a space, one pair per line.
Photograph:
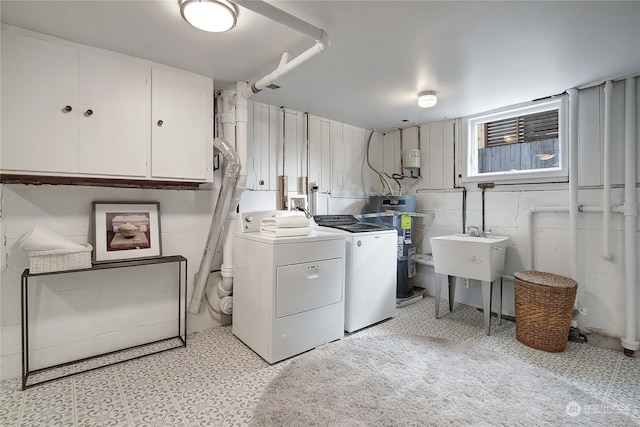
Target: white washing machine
370, 285
288, 292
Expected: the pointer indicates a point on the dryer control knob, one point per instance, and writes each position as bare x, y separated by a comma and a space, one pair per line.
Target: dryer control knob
359, 243
248, 218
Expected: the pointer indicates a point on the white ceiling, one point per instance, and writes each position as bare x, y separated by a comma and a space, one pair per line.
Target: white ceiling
476, 55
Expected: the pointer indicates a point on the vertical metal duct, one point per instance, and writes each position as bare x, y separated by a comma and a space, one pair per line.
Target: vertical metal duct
233, 182
223, 206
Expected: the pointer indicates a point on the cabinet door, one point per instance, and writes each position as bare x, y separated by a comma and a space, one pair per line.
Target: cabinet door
39, 80
182, 126
113, 116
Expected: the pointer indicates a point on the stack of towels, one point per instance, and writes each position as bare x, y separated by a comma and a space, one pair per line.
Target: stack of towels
43, 239
285, 225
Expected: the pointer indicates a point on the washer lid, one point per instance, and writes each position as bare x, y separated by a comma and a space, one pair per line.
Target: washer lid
348, 223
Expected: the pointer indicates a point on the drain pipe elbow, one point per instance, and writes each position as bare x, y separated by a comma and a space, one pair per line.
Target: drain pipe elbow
233, 166
324, 42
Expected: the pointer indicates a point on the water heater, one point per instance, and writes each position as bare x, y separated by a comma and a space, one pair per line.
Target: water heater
411, 159
406, 228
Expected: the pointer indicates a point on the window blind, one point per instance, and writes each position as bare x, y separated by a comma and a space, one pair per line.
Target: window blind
529, 128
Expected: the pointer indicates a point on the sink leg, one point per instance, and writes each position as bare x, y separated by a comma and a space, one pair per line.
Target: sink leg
452, 290
438, 290
500, 303
486, 304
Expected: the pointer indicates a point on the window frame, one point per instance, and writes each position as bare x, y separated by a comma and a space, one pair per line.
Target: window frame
470, 144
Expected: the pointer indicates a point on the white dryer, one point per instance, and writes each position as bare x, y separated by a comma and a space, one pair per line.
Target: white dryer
288, 292
371, 266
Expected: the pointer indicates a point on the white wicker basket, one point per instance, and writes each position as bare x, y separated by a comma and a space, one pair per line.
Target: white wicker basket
60, 260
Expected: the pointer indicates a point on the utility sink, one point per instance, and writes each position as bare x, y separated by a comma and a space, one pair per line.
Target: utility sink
476, 258
463, 255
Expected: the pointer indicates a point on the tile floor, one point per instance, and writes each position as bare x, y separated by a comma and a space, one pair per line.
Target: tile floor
217, 380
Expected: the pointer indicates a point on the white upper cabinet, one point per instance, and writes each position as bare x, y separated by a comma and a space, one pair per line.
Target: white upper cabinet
182, 125
75, 111
112, 113
40, 104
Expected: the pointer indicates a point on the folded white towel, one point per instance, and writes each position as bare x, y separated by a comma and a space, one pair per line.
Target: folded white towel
43, 239
285, 232
293, 221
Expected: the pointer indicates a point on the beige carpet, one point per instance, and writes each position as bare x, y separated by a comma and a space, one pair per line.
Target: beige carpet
409, 380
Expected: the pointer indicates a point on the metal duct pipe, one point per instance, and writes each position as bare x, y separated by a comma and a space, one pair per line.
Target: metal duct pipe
606, 160
223, 206
233, 183
630, 342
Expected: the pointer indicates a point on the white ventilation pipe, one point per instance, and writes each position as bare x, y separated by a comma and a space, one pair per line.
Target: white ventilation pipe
555, 209
606, 161
225, 284
286, 63
573, 180
233, 183
630, 342
218, 297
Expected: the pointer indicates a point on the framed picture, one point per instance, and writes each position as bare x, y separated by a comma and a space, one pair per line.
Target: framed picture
126, 230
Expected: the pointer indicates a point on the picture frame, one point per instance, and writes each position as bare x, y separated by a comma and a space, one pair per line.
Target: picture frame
125, 231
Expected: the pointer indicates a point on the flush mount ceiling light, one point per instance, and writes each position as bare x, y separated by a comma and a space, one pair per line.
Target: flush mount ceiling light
427, 99
214, 16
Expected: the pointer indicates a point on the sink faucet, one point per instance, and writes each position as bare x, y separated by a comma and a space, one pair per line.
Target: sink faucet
475, 231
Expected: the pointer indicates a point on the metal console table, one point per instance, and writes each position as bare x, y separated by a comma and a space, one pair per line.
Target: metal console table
181, 339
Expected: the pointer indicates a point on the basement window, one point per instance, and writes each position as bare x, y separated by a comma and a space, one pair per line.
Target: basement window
525, 143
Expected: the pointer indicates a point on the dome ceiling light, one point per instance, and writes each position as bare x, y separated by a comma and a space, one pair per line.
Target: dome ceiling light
427, 99
214, 16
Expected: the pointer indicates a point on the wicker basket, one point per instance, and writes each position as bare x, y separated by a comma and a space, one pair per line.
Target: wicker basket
544, 308
60, 260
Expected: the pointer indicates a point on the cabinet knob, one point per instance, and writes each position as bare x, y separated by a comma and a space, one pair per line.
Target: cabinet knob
68, 108
88, 113
160, 123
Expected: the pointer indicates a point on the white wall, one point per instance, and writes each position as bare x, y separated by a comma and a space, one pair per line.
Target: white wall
122, 308
82, 314
601, 282
79, 314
